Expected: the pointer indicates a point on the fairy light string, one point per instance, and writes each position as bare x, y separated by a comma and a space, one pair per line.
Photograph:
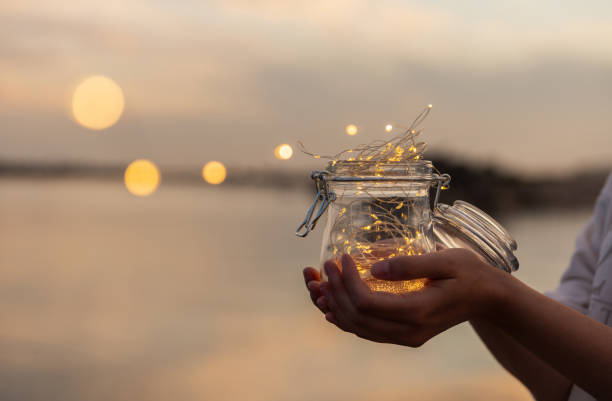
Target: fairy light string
372, 221
401, 148
378, 224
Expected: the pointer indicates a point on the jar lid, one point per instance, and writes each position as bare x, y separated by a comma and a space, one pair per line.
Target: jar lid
370, 170
463, 225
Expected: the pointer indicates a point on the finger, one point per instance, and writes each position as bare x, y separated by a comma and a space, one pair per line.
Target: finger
314, 286
312, 278
329, 316
340, 319
316, 296
334, 309
311, 274
338, 300
336, 286
357, 290
374, 329
434, 265
321, 303
347, 316
365, 300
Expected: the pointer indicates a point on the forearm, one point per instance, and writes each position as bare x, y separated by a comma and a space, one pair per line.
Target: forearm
575, 345
544, 382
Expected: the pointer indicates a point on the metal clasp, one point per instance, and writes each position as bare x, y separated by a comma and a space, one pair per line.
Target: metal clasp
442, 182
323, 197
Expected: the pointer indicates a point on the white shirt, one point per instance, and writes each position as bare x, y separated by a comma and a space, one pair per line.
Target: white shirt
587, 283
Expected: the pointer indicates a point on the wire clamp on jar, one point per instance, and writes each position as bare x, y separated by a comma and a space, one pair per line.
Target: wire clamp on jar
323, 197
442, 182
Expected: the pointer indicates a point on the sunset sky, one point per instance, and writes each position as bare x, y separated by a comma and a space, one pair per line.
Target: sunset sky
522, 84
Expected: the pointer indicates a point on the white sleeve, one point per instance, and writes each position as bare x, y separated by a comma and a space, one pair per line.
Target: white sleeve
577, 281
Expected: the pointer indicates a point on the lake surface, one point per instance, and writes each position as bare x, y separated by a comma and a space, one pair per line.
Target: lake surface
197, 294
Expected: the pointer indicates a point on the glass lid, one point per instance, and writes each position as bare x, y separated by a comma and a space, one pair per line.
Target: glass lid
463, 225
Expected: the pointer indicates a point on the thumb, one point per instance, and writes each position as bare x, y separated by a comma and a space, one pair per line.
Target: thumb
431, 265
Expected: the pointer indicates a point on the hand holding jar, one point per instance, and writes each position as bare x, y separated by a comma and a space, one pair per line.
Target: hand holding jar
460, 286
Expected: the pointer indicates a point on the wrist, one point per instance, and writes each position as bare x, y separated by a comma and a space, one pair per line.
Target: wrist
498, 290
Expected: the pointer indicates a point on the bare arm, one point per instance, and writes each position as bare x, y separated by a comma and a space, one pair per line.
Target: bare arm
578, 347
544, 382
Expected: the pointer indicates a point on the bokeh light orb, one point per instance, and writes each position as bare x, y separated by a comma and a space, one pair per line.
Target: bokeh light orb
283, 152
142, 177
351, 129
388, 127
97, 103
214, 172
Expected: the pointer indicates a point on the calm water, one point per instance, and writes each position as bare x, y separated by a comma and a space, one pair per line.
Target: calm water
196, 294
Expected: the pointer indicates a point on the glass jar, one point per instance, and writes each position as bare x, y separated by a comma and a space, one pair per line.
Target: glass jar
382, 210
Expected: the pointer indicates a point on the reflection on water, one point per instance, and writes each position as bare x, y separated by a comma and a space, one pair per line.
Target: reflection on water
196, 294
